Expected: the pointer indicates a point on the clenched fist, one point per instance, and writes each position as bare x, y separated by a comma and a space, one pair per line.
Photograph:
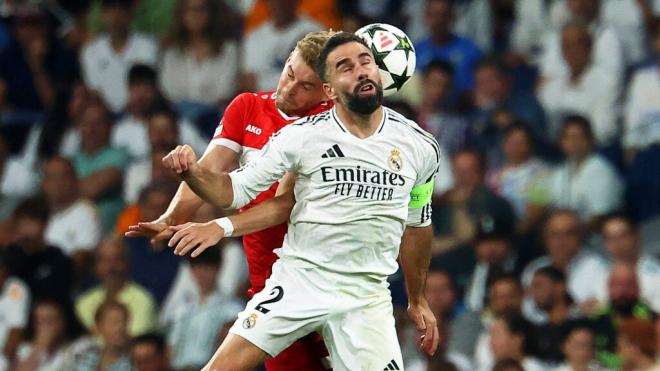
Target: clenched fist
181, 159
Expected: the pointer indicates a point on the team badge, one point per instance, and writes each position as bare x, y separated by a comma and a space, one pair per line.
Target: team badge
394, 161
250, 321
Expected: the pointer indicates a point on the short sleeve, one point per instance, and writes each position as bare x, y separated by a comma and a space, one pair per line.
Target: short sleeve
281, 154
229, 132
18, 300
419, 208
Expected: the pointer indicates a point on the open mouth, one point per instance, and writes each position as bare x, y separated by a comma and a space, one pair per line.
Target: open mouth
368, 87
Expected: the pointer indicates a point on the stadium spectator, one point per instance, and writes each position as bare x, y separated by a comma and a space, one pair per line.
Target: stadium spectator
508, 364
106, 61
442, 44
579, 348
329, 13
148, 353
586, 89
52, 330
131, 132
99, 166
415, 360
622, 241
15, 306
608, 52
624, 304
585, 183
534, 20
642, 106
636, 345
111, 322
201, 322
437, 115
441, 295
553, 309
200, 62
494, 106
511, 336
518, 180
69, 212
67, 127
563, 238
266, 48
163, 137
17, 180
35, 65
112, 269
153, 267
457, 212
44, 268
468, 332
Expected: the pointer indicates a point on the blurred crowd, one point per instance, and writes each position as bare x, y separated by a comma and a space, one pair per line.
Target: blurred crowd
546, 209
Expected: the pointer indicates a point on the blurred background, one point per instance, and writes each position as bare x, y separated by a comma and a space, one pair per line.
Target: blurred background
546, 208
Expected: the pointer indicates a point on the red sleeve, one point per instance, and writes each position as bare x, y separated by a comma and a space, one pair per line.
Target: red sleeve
232, 125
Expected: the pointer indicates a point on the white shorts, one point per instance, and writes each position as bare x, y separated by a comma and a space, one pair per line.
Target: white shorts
352, 313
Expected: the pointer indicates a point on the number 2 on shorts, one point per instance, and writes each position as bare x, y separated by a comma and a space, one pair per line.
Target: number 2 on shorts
278, 292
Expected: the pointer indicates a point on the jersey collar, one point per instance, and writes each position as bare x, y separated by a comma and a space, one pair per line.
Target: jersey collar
344, 129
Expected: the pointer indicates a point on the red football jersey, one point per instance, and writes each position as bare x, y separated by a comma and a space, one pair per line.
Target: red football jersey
246, 126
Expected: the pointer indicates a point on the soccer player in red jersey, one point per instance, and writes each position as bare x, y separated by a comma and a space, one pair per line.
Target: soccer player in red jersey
246, 126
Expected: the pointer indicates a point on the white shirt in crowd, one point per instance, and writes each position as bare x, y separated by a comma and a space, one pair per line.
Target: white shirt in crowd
642, 109
533, 20
593, 366
196, 326
266, 49
593, 189
14, 310
185, 79
77, 227
484, 359
594, 96
18, 180
233, 274
106, 70
517, 183
133, 135
581, 273
47, 362
138, 176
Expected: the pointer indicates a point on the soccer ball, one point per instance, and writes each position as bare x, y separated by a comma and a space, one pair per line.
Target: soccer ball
394, 54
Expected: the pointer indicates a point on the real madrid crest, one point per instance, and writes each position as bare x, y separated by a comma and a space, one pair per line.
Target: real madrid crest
250, 321
394, 161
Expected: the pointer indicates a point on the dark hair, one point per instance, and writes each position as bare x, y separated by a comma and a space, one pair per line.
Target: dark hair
503, 276
333, 43
472, 152
33, 208
495, 64
654, 28
72, 326
216, 32
441, 66
158, 341
580, 122
162, 187
210, 256
123, 3
518, 325
521, 127
632, 225
575, 325
507, 364
554, 274
164, 110
142, 73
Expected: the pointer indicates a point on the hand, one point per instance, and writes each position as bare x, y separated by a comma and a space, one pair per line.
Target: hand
181, 159
36, 52
426, 324
191, 235
156, 230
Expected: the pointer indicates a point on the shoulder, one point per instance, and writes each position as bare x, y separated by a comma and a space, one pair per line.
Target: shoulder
137, 295
408, 127
140, 39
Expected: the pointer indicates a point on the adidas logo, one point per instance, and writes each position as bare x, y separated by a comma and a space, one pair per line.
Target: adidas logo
391, 366
334, 151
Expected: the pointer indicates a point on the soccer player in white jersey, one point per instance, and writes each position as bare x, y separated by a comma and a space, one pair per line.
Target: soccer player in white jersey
364, 178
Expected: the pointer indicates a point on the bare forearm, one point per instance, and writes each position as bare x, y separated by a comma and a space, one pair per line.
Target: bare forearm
183, 205
214, 188
99, 183
415, 256
267, 214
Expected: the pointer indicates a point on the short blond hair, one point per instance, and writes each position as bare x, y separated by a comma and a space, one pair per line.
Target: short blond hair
310, 46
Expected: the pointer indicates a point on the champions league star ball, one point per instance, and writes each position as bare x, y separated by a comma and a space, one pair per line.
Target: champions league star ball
394, 54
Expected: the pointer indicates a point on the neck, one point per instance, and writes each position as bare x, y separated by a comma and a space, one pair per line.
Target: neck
577, 72
429, 107
284, 22
577, 366
518, 161
362, 126
118, 39
440, 38
559, 312
62, 204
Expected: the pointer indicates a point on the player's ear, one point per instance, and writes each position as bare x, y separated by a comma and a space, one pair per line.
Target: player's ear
329, 91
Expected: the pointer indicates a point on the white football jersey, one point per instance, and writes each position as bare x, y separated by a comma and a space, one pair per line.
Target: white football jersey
353, 196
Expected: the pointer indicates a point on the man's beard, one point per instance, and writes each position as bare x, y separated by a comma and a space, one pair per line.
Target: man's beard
624, 307
364, 105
